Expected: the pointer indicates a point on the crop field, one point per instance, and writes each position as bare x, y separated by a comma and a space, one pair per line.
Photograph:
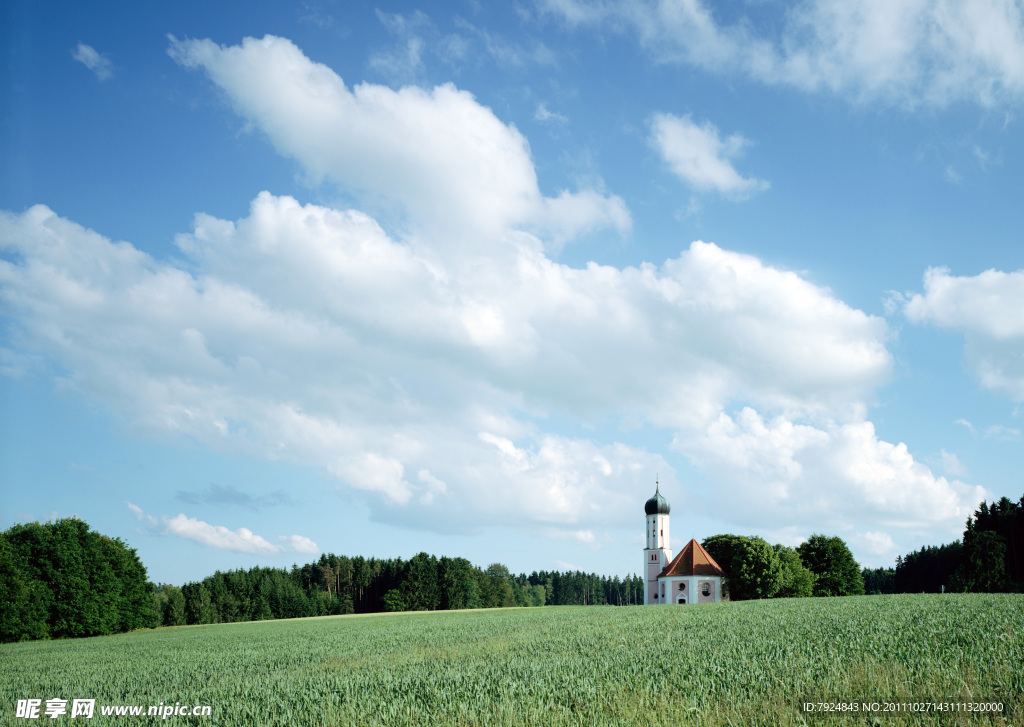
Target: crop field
736, 664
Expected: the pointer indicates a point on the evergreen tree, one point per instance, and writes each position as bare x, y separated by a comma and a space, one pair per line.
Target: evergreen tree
424, 591
879, 580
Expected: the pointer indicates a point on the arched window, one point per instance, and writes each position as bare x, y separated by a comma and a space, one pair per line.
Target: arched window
706, 589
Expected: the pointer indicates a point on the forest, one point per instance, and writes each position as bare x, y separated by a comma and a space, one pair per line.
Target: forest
342, 585
989, 558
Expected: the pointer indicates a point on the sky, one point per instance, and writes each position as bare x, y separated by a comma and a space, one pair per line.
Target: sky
280, 279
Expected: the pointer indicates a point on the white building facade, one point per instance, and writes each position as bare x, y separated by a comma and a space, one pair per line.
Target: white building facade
693, 576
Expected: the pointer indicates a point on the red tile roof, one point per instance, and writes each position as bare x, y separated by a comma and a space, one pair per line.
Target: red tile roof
692, 560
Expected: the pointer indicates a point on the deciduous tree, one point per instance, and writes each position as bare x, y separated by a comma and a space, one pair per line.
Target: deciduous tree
836, 572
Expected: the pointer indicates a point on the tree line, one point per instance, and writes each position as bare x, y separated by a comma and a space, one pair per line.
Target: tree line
337, 585
988, 559
61, 579
821, 566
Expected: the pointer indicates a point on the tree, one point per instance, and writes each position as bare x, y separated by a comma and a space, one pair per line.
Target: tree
198, 604
169, 605
983, 567
22, 609
536, 596
880, 580
723, 548
927, 570
498, 590
393, 600
797, 581
76, 582
327, 574
424, 592
832, 563
751, 565
756, 571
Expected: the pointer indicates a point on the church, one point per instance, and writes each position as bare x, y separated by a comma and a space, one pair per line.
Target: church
693, 576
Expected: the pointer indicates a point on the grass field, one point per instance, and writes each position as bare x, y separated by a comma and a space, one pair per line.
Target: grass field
719, 664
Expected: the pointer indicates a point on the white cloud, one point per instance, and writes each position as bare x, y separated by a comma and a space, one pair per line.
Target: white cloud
435, 487
543, 114
458, 172
94, 61
698, 156
140, 514
419, 372
299, 544
988, 309
306, 333
585, 537
506, 53
904, 52
404, 62
417, 39
998, 431
832, 477
242, 540
875, 543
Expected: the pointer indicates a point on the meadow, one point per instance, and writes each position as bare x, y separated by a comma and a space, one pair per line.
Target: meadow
749, 663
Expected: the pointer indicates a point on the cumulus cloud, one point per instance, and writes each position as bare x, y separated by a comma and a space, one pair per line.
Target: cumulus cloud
876, 543
241, 540
831, 476
299, 544
906, 52
988, 309
419, 370
306, 333
458, 172
697, 155
94, 61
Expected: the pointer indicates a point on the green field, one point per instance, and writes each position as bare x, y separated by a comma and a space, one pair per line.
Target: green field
718, 664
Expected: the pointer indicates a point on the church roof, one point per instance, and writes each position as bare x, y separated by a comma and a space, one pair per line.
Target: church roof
692, 560
657, 505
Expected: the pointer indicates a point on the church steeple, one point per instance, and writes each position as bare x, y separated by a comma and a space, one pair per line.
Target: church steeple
657, 504
657, 554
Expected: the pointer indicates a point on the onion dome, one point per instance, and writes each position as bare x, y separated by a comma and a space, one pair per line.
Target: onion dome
657, 505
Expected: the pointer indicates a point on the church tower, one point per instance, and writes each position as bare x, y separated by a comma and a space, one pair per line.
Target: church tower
657, 554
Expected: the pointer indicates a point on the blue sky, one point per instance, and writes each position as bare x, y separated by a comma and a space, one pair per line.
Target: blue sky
282, 279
